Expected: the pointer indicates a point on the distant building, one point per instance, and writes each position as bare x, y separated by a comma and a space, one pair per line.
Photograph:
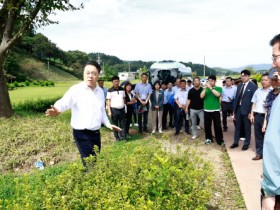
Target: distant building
127, 75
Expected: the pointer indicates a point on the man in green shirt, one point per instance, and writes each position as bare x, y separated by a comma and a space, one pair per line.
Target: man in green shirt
211, 94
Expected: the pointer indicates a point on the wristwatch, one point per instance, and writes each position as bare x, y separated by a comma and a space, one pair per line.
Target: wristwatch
265, 194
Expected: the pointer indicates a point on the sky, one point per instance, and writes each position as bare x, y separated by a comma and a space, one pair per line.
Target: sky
229, 33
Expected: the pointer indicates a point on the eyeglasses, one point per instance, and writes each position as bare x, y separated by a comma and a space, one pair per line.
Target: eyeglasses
274, 57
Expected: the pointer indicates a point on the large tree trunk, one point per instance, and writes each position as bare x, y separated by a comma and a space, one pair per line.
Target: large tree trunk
5, 103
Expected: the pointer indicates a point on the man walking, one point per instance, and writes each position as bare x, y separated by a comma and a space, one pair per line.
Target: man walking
195, 105
242, 107
143, 91
116, 107
211, 94
228, 95
86, 101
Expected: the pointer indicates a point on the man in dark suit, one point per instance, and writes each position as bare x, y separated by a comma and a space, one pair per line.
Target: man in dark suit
242, 108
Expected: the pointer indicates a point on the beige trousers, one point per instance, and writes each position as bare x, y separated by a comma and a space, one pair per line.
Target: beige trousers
156, 114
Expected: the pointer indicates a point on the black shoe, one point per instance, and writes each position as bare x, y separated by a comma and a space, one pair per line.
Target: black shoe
176, 134
146, 131
245, 147
233, 146
225, 130
188, 133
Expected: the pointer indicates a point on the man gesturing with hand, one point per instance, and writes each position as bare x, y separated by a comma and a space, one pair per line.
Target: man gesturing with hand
86, 101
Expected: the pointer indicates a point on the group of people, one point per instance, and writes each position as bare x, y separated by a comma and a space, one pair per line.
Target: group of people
185, 102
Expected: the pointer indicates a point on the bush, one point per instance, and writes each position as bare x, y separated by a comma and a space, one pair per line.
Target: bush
125, 176
39, 105
16, 84
35, 83
27, 83
10, 86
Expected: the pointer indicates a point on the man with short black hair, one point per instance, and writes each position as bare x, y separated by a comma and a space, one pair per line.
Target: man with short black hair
167, 107
116, 107
211, 95
86, 101
228, 95
242, 107
143, 91
195, 105
181, 97
258, 114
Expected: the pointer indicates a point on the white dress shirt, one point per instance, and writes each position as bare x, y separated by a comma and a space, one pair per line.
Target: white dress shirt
259, 98
182, 96
87, 107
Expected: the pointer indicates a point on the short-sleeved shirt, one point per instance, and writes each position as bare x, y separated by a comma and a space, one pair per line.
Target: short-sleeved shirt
212, 102
117, 97
181, 96
259, 98
143, 90
195, 101
228, 92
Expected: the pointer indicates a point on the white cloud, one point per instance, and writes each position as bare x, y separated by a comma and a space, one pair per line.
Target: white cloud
229, 33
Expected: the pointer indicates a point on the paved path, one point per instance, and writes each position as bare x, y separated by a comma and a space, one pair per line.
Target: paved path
247, 171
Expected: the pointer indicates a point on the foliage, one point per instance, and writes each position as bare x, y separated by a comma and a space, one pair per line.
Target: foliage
258, 77
136, 175
39, 105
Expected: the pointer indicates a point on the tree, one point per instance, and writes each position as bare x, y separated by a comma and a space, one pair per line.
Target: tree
16, 18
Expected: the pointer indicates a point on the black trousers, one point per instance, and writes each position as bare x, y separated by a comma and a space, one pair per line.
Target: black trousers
259, 135
118, 119
214, 117
86, 140
128, 120
242, 120
180, 119
167, 110
226, 110
143, 116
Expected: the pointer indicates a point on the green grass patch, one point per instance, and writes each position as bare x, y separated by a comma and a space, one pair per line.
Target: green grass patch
33, 93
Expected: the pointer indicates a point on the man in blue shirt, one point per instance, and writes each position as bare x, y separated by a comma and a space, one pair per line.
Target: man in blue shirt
143, 91
167, 107
270, 185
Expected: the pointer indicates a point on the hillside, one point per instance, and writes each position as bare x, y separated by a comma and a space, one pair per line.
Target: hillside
256, 67
29, 68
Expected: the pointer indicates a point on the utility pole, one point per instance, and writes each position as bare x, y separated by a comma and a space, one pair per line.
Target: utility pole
204, 67
49, 68
98, 59
128, 66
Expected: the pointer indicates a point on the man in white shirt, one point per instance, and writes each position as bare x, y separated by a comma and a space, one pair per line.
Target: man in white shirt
86, 101
181, 97
258, 114
116, 107
228, 94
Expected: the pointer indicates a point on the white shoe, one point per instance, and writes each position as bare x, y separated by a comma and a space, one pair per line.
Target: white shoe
198, 127
153, 132
136, 124
194, 137
130, 125
160, 131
